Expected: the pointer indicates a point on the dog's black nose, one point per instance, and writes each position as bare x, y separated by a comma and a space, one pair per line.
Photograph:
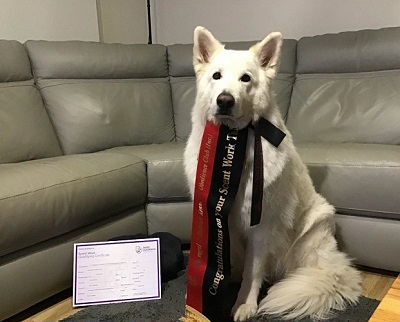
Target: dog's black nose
225, 101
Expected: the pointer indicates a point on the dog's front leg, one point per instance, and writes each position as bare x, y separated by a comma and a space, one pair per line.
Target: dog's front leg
253, 276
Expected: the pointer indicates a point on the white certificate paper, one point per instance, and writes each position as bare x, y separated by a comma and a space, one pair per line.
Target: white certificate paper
117, 271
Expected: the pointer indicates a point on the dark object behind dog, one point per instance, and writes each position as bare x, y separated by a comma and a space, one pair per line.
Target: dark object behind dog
171, 255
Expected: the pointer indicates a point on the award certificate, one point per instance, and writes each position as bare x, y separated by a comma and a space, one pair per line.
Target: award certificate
116, 271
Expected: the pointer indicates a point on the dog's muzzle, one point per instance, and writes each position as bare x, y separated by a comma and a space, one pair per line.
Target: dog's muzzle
225, 102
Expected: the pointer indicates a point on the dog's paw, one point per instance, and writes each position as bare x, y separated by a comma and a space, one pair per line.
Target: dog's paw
244, 311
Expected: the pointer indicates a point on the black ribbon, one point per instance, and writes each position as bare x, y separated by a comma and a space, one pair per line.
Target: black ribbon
228, 165
226, 175
269, 131
262, 128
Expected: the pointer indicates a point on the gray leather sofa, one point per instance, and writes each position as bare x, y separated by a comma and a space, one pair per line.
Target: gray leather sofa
92, 136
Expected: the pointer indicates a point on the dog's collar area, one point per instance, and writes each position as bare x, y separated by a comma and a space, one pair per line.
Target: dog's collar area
269, 131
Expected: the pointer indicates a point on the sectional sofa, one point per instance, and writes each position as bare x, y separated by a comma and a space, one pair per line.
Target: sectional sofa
92, 136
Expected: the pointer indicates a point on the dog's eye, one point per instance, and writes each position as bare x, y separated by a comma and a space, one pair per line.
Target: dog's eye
245, 78
217, 75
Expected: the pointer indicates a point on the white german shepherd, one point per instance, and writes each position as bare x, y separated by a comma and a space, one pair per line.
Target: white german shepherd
294, 245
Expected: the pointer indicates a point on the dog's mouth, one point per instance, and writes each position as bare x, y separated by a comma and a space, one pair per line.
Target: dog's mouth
233, 122
222, 114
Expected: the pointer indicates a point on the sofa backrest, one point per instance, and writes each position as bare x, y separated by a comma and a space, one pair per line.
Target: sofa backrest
100, 95
26, 132
183, 82
347, 88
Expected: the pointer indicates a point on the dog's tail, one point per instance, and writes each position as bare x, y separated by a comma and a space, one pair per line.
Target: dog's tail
314, 292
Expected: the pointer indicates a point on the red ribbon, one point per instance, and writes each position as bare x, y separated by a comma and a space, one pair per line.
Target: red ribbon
199, 241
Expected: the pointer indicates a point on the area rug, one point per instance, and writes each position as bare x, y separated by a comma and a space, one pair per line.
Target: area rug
171, 308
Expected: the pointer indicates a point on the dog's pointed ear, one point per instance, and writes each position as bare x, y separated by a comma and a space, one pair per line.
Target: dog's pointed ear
205, 45
268, 51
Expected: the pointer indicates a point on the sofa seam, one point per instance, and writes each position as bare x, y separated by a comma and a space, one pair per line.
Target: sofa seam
171, 96
170, 199
164, 160
351, 165
294, 75
183, 79
68, 182
368, 211
284, 80
101, 81
332, 76
16, 86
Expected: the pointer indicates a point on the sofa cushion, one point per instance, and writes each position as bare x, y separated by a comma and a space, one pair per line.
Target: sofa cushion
94, 60
358, 179
165, 172
42, 199
358, 108
349, 52
347, 88
14, 62
25, 129
183, 82
175, 218
373, 242
104, 95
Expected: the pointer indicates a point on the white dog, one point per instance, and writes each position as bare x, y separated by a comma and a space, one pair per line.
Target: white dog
294, 245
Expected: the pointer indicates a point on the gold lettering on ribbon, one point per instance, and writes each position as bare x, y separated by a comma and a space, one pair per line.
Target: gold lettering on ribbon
223, 190
200, 206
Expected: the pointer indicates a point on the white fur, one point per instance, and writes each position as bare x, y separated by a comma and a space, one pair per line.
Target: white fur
294, 245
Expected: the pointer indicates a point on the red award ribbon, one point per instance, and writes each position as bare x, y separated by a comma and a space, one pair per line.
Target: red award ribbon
199, 241
219, 169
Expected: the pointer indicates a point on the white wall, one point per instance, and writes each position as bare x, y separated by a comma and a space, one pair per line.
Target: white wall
230, 20
123, 21
174, 20
48, 19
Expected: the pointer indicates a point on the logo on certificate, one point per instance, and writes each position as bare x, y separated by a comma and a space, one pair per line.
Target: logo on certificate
138, 249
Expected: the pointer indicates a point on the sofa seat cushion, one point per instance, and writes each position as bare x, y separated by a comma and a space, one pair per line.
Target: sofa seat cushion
358, 179
45, 198
165, 172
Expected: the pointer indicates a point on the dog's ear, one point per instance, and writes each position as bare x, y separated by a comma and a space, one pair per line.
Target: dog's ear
205, 45
268, 51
